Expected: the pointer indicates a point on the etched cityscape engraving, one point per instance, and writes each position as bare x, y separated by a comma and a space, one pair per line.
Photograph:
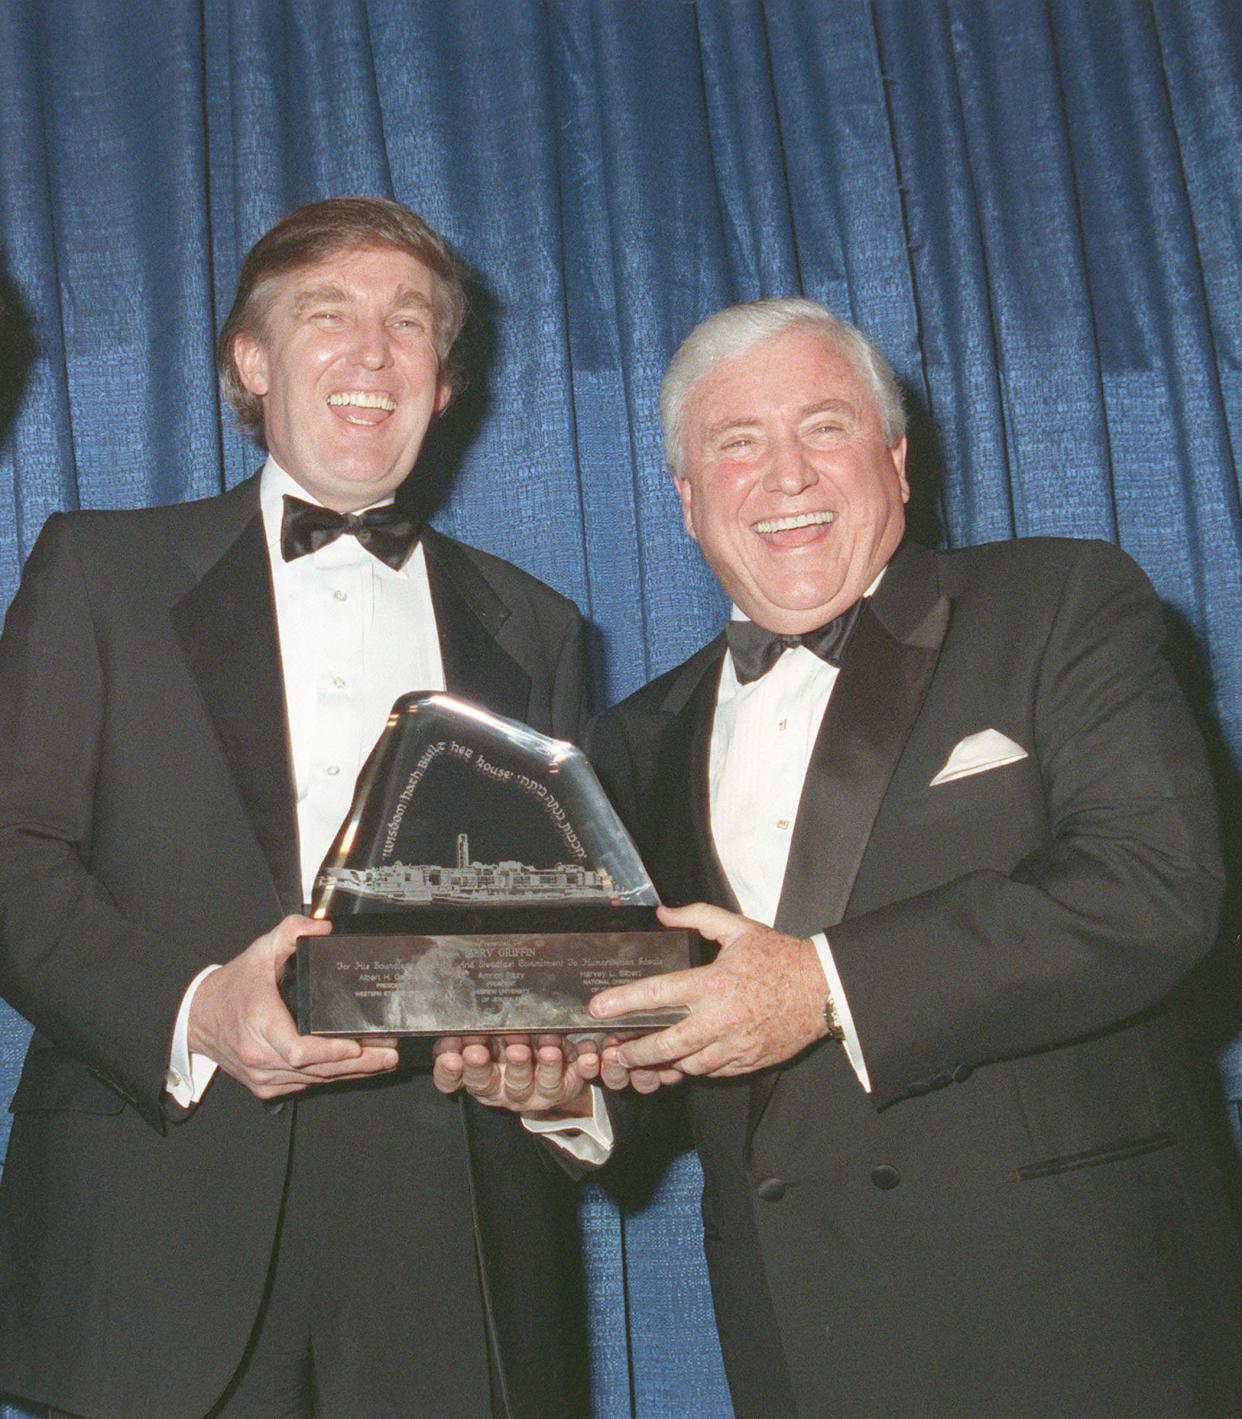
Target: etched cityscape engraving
467, 882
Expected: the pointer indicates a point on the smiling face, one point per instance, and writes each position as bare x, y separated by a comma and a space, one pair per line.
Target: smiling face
346, 369
788, 486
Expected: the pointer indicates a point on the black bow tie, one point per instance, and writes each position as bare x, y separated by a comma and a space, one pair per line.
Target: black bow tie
756, 650
386, 532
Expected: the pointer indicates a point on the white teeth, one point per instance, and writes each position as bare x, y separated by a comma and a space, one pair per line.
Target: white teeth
787, 524
361, 399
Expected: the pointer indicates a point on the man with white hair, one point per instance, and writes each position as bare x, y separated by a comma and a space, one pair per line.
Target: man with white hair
944, 822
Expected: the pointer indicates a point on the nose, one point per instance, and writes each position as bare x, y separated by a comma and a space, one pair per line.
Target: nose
371, 348
789, 471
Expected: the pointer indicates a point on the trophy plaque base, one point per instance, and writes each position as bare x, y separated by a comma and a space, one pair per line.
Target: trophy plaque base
363, 982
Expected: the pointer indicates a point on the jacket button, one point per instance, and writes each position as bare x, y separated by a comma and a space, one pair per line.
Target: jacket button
885, 1176
962, 1073
771, 1189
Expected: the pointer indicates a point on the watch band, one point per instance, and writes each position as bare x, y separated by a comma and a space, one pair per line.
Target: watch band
831, 1020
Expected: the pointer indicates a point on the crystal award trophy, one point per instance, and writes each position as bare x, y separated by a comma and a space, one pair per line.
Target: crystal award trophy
482, 884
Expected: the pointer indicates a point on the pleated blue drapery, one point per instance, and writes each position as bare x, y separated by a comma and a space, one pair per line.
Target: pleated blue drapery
1033, 205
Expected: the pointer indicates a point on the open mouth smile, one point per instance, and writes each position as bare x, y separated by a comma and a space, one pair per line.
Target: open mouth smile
792, 524
363, 406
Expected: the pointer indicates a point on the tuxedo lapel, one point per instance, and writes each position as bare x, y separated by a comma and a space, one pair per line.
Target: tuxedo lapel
469, 616
226, 624
702, 711
873, 707
686, 867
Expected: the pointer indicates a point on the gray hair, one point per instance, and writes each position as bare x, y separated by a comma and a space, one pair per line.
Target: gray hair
738, 328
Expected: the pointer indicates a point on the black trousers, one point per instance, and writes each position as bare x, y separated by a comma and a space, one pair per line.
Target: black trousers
373, 1305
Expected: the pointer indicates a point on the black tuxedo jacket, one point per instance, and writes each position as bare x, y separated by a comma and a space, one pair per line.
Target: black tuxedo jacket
1023, 1216
147, 828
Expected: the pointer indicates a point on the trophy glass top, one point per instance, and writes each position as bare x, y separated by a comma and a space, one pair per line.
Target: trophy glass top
457, 807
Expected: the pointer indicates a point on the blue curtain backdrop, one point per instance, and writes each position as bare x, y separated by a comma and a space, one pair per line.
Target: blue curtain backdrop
1033, 205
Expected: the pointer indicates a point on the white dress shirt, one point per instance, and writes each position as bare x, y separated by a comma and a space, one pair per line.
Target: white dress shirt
354, 635
762, 737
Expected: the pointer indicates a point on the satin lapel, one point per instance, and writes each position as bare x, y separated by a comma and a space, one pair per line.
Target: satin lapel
688, 868
227, 627
713, 884
873, 707
469, 616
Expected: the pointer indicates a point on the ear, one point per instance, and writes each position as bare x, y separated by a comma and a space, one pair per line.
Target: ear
898, 456
444, 394
686, 494
251, 360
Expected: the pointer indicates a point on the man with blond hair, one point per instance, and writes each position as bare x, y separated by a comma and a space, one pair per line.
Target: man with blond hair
202, 1211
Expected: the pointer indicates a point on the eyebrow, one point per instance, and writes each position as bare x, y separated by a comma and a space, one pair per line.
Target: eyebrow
746, 421
317, 295
330, 293
407, 297
829, 406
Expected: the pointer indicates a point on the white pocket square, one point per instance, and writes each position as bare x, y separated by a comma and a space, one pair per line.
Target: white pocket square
977, 753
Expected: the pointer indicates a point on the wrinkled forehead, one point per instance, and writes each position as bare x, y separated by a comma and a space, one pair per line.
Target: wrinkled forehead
802, 366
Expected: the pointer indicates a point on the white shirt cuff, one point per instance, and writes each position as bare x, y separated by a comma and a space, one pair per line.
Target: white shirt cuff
187, 1076
589, 1140
853, 1049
